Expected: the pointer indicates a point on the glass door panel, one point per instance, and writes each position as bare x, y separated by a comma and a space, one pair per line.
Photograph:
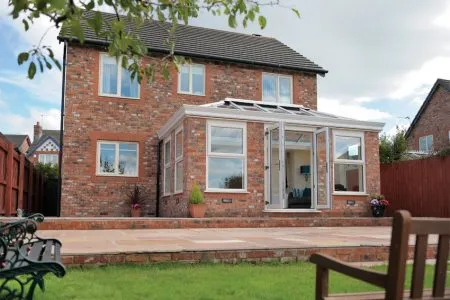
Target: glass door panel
274, 168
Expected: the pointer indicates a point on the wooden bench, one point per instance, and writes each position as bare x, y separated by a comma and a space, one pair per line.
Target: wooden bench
25, 259
393, 282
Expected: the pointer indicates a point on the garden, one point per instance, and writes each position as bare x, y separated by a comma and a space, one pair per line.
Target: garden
200, 281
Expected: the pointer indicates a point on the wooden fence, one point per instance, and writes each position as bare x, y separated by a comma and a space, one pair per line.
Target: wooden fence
421, 186
21, 185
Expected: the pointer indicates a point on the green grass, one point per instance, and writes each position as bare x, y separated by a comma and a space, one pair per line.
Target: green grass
200, 281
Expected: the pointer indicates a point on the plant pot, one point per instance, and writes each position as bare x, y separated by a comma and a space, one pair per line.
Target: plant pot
197, 210
378, 211
136, 212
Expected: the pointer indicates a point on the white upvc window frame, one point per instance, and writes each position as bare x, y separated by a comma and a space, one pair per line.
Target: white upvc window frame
45, 161
361, 162
190, 80
178, 159
428, 149
119, 80
116, 159
166, 165
209, 153
277, 87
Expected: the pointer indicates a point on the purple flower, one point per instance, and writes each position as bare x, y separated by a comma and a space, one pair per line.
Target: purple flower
374, 202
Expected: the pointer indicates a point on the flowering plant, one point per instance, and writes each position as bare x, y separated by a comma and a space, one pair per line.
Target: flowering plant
378, 200
135, 197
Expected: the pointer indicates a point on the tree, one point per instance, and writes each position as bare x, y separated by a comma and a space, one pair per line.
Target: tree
69, 16
393, 148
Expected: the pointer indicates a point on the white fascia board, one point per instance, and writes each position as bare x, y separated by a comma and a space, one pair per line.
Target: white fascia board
256, 116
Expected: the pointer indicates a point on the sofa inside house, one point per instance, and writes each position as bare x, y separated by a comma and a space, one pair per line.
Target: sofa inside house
299, 198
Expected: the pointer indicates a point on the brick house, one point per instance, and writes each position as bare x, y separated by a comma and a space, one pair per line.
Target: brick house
21, 141
430, 129
45, 146
240, 121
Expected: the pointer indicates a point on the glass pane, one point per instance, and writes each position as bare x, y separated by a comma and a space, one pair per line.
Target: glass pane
167, 152
167, 180
129, 88
109, 75
184, 79
348, 177
128, 159
179, 144
430, 143
179, 179
274, 169
285, 90
107, 158
269, 88
225, 173
198, 80
54, 159
348, 147
226, 140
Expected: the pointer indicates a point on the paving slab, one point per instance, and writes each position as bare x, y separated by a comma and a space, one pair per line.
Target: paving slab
207, 239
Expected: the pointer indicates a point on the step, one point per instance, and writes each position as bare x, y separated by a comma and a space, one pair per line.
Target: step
54, 223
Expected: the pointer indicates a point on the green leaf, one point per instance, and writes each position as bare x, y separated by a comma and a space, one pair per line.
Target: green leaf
41, 66
56, 62
22, 57
296, 12
166, 72
31, 70
96, 22
50, 52
262, 22
232, 21
25, 24
47, 64
58, 4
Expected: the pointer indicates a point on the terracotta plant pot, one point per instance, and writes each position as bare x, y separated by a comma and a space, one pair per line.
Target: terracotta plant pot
197, 210
135, 212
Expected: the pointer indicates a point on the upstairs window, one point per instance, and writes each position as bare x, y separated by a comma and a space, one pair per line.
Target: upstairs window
191, 80
277, 88
116, 81
426, 143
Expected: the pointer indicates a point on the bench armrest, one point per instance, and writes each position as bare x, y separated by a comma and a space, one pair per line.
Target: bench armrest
330, 263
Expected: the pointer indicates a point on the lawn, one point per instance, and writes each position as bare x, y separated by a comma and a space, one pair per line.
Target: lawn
200, 281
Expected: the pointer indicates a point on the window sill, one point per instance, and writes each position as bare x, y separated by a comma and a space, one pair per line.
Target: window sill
119, 97
350, 194
190, 94
116, 175
227, 191
178, 193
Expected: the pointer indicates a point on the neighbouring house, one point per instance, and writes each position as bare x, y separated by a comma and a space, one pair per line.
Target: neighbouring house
45, 147
241, 121
21, 141
430, 129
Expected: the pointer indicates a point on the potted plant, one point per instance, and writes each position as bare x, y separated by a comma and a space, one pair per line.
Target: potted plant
197, 206
378, 204
135, 199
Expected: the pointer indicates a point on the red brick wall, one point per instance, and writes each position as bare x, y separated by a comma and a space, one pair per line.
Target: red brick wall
434, 120
89, 117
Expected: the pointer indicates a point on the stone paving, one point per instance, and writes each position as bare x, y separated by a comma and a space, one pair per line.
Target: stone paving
175, 240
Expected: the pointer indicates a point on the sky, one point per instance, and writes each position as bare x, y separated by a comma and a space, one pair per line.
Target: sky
382, 56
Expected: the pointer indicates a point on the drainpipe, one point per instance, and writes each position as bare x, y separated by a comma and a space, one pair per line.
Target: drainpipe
158, 175
61, 133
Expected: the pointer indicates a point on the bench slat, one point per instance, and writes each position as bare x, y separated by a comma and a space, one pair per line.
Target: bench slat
420, 255
441, 266
427, 295
36, 250
46, 255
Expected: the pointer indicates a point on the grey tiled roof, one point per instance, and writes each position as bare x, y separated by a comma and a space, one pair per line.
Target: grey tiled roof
16, 139
215, 44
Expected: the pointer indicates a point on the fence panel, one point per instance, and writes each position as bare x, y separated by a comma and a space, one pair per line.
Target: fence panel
21, 185
419, 186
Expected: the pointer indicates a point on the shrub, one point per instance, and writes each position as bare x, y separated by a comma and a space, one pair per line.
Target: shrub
196, 196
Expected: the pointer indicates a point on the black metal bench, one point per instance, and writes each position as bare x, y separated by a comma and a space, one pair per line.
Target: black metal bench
25, 258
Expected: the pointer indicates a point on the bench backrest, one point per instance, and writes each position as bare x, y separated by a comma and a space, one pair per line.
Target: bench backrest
403, 226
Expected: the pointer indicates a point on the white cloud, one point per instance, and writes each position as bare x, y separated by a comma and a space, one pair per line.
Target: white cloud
443, 20
417, 83
46, 87
14, 123
352, 110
